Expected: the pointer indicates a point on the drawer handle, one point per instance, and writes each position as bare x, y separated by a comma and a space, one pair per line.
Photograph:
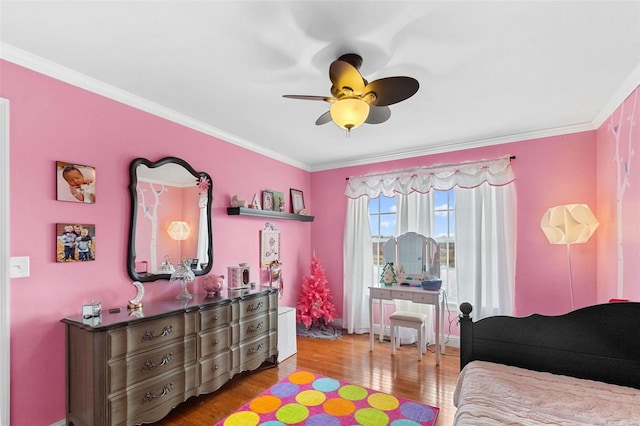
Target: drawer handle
252, 308
166, 358
150, 335
216, 367
251, 328
215, 342
150, 396
215, 318
150, 365
253, 350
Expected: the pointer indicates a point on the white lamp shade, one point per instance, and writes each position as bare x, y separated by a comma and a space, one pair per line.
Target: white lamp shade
569, 224
349, 113
179, 230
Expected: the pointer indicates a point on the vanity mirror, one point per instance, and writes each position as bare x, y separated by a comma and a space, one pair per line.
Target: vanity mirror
413, 255
170, 219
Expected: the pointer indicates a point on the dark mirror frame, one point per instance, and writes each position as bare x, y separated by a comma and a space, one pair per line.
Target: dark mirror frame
133, 182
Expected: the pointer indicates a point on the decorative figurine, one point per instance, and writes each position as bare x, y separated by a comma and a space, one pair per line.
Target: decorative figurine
136, 302
212, 284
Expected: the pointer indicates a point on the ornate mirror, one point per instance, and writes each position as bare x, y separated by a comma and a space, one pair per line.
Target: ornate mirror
170, 219
413, 254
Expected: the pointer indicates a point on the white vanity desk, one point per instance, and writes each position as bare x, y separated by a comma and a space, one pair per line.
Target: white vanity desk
416, 295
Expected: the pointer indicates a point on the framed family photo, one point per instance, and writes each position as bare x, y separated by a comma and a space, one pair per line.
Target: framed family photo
75, 242
75, 182
297, 200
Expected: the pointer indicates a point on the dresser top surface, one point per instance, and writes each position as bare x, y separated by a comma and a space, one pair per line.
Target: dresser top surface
159, 308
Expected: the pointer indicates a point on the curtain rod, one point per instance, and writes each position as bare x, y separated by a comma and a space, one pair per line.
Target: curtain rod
437, 166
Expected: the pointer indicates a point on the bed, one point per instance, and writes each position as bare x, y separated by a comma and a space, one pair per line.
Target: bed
579, 368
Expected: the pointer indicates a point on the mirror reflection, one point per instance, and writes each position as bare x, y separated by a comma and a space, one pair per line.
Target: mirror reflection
413, 255
170, 219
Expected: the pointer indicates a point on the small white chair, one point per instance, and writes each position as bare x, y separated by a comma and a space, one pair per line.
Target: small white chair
413, 320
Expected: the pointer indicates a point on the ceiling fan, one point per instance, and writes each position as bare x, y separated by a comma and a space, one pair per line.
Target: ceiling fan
356, 101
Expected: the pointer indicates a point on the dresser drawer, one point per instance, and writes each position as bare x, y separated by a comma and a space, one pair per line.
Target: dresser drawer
153, 400
254, 306
255, 326
380, 293
151, 364
213, 367
218, 316
426, 297
149, 334
214, 341
249, 355
402, 295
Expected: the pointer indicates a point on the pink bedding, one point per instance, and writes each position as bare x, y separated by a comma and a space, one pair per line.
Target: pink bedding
496, 394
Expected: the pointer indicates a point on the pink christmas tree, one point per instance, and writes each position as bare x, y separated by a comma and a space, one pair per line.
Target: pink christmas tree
314, 304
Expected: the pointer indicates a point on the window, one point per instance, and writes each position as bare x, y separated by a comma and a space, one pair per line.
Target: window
444, 234
382, 219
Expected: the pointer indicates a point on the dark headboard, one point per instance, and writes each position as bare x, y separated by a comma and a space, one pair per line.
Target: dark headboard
600, 342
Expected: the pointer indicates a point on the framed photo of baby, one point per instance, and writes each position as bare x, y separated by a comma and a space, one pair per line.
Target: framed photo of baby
75, 242
75, 182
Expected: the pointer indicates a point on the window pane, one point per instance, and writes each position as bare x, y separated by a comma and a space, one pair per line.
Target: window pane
387, 205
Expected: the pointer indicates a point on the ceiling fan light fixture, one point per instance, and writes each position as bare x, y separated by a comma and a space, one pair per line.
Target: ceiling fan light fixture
349, 113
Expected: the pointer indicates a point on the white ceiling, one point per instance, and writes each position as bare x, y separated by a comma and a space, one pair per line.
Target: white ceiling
489, 72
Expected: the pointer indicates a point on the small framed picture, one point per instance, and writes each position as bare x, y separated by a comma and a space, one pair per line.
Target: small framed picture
75, 242
269, 245
267, 200
297, 201
75, 182
278, 201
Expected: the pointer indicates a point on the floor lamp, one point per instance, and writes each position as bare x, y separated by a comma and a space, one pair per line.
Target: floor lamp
569, 224
179, 231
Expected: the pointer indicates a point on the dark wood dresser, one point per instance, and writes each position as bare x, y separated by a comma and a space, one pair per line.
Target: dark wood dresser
133, 367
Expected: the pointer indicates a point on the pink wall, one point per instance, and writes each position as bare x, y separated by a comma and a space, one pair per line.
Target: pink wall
549, 171
51, 120
619, 202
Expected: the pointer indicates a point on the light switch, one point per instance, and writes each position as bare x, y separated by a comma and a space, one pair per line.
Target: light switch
19, 267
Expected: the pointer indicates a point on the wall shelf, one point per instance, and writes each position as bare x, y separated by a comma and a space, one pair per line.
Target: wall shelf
241, 211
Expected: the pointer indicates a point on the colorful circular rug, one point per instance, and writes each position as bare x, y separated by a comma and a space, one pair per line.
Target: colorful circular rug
306, 398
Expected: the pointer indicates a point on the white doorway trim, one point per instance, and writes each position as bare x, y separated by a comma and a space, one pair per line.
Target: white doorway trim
5, 317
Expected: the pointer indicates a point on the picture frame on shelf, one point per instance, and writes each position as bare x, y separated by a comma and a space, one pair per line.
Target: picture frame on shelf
278, 201
267, 200
297, 200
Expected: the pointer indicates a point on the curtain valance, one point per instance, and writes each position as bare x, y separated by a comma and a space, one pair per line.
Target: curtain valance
496, 172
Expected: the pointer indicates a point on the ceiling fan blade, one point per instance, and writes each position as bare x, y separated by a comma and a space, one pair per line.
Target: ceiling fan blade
309, 98
378, 114
392, 90
324, 119
343, 74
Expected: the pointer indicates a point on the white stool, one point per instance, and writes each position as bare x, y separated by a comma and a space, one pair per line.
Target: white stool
410, 320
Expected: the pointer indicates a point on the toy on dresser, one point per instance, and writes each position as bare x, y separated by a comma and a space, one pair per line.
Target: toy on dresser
212, 284
238, 276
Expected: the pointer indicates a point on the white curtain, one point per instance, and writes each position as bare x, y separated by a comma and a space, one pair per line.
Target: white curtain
203, 228
499, 210
485, 219
357, 266
414, 214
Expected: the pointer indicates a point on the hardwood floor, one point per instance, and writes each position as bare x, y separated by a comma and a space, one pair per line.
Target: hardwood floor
347, 359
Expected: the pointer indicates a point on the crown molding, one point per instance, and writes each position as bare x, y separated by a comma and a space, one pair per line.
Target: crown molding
75, 78
459, 146
626, 88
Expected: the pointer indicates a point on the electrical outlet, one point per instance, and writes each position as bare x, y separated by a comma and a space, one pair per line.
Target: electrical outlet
19, 267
